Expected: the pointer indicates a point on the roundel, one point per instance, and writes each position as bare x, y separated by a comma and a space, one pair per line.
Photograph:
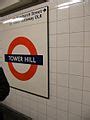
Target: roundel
30, 46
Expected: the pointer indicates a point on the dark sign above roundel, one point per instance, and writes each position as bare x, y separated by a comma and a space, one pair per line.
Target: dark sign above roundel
33, 67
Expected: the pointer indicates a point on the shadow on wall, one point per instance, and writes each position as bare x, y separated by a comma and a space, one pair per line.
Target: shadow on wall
11, 114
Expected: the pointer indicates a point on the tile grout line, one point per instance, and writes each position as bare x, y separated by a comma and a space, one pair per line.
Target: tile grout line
68, 66
83, 59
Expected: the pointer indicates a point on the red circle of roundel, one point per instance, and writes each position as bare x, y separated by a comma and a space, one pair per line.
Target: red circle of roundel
28, 44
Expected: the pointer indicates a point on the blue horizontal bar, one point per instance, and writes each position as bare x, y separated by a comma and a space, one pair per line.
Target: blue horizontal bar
25, 59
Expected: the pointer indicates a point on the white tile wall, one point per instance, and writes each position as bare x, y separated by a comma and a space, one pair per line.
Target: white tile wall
86, 97
74, 117
87, 23
69, 43
86, 52
62, 66
75, 82
76, 24
76, 39
63, 26
76, 68
86, 83
52, 39
62, 104
87, 8
76, 10
62, 80
52, 53
75, 95
51, 111
85, 112
52, 102
75, 108
87, 40
62, 92
76, 53
61, 115
41, 117
87, 69
52, 78
62, 40
63, 53
63, 14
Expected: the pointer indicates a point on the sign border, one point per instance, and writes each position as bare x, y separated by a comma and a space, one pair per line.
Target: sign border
48, 94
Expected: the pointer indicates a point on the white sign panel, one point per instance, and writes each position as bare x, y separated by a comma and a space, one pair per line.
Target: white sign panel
25, 55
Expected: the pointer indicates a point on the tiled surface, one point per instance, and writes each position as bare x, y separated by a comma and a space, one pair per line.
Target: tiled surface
69, 44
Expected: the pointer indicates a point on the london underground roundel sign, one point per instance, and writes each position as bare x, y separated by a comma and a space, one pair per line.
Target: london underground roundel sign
33, 67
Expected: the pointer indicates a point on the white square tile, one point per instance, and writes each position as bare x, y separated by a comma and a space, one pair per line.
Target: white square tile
63, 53
76, 53
53, 90
42, 108
86, 111
87, 38
52, 41
34, 105
26, 102
76, 39
85, 108
26, 111
62, 40
19, 109
34, 114
87, 23
50, 118
62, 66
76, 10
52, 28
41, 100
75, 95
51, 111
52, 101
86, 83
61, 1
62, 92
19, 93
75, 108
76, 24
13, 98
87, 54
54, 1
52, 15
87, 8
63, 26
61, 115
52, 53
62, 79
75, 82
53, 66
87, 69
62, 104
51, 4
86, 98
76, 68
74, 117
63, 14
53, 78
19, 102
41, 117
